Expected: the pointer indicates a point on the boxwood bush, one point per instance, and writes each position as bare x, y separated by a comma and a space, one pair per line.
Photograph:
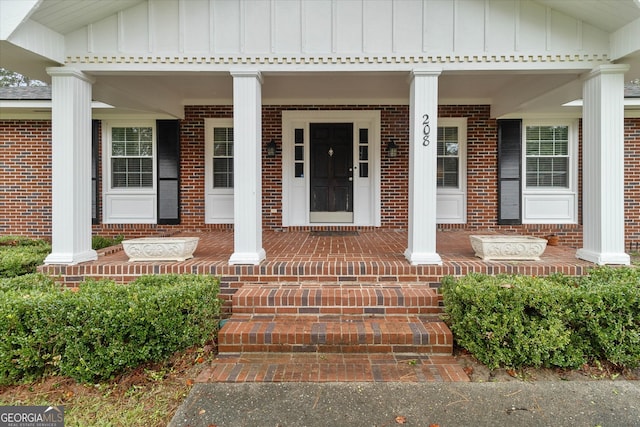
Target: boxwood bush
101, 328
20, 255
559, 321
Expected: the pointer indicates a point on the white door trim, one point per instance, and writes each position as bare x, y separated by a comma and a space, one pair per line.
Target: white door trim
295, 190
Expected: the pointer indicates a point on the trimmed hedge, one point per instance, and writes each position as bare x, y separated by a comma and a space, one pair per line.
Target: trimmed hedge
560, 321
101, 328
21, 255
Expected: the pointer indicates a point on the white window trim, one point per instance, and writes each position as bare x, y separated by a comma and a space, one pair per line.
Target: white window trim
551, 205
452, 202
127, 205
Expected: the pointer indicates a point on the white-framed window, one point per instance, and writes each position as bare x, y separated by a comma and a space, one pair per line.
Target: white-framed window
451, 178
550, 171
222, 167
131, 157
129, 172
219, 171
547, 156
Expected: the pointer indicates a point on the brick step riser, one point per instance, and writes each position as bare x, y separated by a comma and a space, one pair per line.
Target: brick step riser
331, 299
339, 310
346, 334
344, 349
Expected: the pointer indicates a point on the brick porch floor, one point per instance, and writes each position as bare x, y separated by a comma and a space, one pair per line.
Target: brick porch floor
295, 256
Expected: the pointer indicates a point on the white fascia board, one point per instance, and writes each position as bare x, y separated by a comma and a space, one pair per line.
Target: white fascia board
39, 39
41, 104
13, 13
625, 41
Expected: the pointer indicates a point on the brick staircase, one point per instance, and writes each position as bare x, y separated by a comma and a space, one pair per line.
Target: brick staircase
334, 332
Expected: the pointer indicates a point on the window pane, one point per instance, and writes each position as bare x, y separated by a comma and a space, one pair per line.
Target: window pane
299, 153
364, 152
364, 136
119, 165
299, 170
364, 170
117, 148
146, 148
147, 180
452, 149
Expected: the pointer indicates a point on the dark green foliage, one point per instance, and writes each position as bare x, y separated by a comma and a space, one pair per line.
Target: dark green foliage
100, 242
101, 328
558, 321
20, 255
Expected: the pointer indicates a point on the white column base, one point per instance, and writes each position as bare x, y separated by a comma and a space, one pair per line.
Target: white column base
422, 258
71, 258
603, 258
248, 258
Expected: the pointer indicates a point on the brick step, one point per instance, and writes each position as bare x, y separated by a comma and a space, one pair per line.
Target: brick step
332, 367
334, 334
331, 298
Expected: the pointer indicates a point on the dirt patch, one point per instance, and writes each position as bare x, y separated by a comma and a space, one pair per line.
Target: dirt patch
478, 372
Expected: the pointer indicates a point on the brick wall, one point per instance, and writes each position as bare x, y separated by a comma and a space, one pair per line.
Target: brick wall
632, 183
25, 180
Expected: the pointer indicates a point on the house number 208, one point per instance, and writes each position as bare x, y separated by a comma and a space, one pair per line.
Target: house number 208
426, 131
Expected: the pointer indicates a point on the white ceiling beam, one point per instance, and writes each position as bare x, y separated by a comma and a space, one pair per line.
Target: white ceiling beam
135, 94
519, 95
37, 38
625, 41
13, 13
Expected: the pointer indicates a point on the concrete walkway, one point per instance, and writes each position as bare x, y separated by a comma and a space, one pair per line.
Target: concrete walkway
542, 403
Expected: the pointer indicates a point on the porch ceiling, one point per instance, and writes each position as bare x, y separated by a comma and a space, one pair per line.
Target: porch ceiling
167, 93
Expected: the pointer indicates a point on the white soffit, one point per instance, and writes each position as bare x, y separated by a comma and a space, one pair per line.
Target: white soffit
608, 15
65, 16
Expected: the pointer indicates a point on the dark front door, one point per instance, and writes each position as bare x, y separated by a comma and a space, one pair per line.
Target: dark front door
331, 172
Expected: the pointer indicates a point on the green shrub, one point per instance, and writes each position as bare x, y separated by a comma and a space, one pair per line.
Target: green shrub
102, 328
30, 337
20, 255
607, 314
101, 242
554, 321
511, 320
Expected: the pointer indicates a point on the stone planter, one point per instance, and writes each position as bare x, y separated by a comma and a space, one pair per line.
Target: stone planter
160, 248
504, 247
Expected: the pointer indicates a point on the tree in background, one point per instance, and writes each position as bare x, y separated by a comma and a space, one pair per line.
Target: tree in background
10, 78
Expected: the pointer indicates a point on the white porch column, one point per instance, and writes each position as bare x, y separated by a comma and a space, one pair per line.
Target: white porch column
247, 167
603, 166
70, 167
423, 134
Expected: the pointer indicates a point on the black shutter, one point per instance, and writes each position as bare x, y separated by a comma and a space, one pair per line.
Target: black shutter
168, 171
509, 171
95, 138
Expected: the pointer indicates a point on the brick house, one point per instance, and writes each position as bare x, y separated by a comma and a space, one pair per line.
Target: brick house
273, 115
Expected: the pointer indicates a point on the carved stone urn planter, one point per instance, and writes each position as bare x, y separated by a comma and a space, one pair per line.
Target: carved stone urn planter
160, 248
505, 247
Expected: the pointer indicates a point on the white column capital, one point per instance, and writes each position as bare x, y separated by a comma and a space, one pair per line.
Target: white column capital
421, 72
70, 72
247, 73
606, 69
